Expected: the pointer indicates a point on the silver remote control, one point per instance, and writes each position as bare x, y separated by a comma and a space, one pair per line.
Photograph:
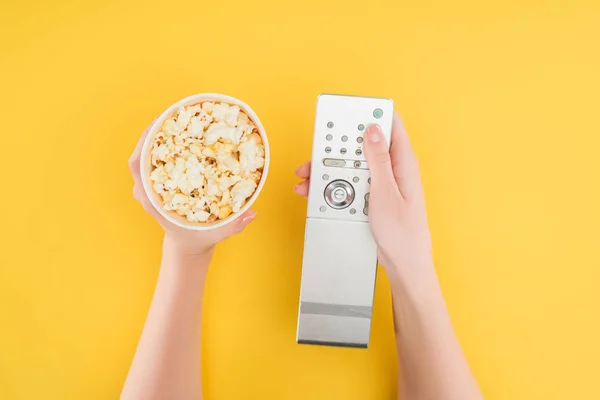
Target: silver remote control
339, 264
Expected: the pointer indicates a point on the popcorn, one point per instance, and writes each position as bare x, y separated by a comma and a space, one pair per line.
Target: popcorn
250, 160
207, 106
199, 216
170, 127
214, 208
227, 182
219, 111
177, 171
207, 161
159, 175
212, 188
220, 130
226, 199
159, 154
200, 204
240, 192
231, 116
195, 150
176, 202
229, 163
224, 212
158, 187
196, 128
209, 152
245, 124
184, 116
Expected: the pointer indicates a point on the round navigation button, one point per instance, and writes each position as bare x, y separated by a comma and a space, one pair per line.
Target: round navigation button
339, 194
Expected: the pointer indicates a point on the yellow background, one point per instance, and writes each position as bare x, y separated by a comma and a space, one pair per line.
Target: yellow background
501, 102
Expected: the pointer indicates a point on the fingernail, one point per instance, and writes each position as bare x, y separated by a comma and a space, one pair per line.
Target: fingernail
248, 218
374, 133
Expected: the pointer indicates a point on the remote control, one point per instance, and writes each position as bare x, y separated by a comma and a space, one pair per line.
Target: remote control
339, 263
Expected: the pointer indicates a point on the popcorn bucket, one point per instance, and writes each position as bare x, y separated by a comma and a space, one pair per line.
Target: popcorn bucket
146, 166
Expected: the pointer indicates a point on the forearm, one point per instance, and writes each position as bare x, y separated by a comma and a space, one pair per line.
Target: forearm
432, 364
167, 360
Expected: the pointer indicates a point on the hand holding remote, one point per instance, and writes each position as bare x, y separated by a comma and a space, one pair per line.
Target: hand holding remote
432, 364
397, 214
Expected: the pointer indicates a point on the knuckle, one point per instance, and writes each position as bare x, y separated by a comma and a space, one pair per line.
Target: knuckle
238, 226
147, 206
382, 158
132, 164
139, 194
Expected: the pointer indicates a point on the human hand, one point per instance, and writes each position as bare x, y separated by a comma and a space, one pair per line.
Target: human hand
185, 241
397, 214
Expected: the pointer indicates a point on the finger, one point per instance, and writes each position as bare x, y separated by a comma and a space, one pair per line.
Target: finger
239, 224
378, 157
140, 196
136, 192
404, 161
303, 171
302, 188
139, 193
134, 160
247, 217
148, 207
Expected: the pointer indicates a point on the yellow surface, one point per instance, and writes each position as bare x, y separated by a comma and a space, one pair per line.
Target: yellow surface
501, 101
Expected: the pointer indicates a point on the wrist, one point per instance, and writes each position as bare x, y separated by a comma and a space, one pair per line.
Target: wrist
183, 248
424, 291
178, 256
182, 274
419, 296
417, 281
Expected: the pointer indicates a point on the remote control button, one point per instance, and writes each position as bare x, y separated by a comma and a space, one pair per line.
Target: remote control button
360, 164
378, 113
322, 208
367, 197
325, 177
366, 210
330, 124
359, 139
352, 211
361, 127
339, 194
334, 162
329, 137
358, 152
369, 181
343, 150
355, 179
344, 138
327, 149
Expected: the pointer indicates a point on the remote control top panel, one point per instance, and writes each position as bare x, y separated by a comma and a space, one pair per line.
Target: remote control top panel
339, 184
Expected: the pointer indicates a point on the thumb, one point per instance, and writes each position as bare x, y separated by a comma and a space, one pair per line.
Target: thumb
234, 227
241, 222
377, 154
